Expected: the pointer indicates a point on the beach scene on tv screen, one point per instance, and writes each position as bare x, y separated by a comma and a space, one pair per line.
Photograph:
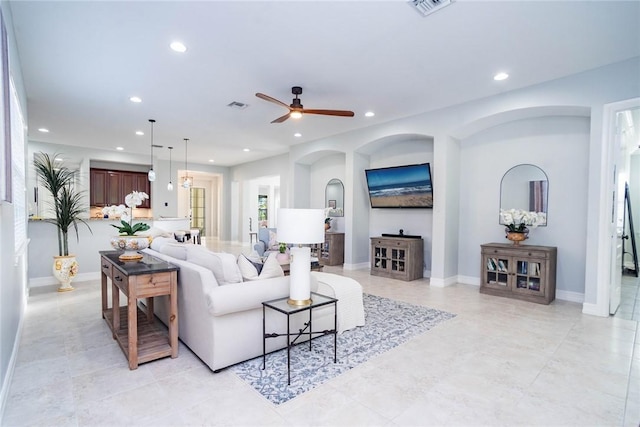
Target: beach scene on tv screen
405, 187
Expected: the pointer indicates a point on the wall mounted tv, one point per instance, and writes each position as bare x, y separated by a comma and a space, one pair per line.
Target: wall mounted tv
400, 186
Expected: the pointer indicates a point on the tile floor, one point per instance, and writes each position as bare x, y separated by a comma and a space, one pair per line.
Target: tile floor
500, 362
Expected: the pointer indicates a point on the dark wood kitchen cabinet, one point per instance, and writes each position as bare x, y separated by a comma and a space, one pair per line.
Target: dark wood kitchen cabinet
109, 187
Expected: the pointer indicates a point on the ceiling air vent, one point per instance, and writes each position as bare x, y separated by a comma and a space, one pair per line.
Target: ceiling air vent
237, 105
427, 7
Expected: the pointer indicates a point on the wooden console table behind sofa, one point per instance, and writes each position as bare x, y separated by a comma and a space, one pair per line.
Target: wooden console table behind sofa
141, 337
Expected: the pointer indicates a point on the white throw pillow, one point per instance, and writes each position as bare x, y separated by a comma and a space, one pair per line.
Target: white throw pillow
271, 267
247, 268
223, 266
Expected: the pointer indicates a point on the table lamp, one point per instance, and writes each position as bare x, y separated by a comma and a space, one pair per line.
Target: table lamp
301, 227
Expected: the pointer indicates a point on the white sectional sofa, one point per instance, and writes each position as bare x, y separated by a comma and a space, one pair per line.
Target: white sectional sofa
220, 314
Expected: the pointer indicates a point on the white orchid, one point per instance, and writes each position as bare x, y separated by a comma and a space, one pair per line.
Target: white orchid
517, 220
135, 198
114, 210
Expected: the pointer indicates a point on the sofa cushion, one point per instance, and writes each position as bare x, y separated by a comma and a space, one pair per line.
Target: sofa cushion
158, 242
223, 266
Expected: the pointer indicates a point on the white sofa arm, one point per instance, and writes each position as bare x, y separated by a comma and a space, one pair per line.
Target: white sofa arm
235, 297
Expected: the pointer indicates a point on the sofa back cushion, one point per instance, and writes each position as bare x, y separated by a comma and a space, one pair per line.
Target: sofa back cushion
175, 250
222, 265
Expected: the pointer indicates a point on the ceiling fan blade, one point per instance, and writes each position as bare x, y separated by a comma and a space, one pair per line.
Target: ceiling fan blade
281, 119
342, 113
270, 99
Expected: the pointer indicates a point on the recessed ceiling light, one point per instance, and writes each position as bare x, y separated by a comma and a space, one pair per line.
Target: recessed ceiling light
178, 47
211, 160
369, 114
135, 99
501, 76
246, 149
58, 159
44, 130
139, 133
297, 134
119, 148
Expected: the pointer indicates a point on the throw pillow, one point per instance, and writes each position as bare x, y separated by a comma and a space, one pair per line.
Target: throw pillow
159, 242
271, 267
249, 269
223, 266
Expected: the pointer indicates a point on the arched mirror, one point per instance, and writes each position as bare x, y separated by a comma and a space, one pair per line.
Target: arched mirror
334, 197
524, 187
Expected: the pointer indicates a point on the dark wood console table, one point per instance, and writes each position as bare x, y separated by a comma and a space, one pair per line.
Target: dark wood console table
141, 337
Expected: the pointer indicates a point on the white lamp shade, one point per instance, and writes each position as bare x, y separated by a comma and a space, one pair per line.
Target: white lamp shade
300, 226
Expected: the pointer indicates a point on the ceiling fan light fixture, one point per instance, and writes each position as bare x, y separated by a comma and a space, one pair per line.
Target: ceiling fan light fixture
295, 114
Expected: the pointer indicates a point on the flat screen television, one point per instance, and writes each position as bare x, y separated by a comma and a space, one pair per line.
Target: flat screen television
406, 186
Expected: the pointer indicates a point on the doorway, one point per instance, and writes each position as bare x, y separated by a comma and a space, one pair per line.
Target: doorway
625, 284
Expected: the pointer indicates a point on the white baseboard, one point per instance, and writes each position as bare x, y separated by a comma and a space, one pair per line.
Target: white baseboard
441, 283
358, 266
36, 282
570, 296
6, 384
469, 280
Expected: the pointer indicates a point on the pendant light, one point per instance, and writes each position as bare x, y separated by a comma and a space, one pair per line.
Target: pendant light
152, 174
170, 184
187, 181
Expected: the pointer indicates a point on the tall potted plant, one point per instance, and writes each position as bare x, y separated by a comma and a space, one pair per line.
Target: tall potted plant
67, 206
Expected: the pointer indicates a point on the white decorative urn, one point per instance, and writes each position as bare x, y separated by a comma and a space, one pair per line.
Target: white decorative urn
65, 269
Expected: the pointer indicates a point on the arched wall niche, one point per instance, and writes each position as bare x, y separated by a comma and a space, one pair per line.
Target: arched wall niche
482, 123
391, 150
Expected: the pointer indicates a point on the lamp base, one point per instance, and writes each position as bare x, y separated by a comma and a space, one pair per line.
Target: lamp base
299, 302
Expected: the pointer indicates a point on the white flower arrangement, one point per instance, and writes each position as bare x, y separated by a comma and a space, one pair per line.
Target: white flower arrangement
113, 210
517, 220
132, 200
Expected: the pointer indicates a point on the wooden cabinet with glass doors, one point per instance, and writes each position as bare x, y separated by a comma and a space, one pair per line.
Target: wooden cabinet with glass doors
523, 272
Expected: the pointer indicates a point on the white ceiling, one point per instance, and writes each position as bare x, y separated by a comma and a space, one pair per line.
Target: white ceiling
82, 60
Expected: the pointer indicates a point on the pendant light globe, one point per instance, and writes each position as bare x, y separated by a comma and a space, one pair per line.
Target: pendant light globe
151, 175
186, 183
170, 184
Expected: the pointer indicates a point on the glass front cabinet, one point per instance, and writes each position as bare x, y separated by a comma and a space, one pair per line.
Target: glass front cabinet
519, 271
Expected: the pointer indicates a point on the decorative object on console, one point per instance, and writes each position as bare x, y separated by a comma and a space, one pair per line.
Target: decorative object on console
517, 221
67, 206
127, 240
186, 180
151, 175
300, 226
283, 254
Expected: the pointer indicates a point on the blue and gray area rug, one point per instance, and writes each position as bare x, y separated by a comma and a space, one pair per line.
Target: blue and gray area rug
388, 323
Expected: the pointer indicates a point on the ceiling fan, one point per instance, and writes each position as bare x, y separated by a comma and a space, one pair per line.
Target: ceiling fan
296, 109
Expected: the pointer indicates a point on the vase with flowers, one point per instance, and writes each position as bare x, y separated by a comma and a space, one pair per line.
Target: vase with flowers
127, 239
517, 221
